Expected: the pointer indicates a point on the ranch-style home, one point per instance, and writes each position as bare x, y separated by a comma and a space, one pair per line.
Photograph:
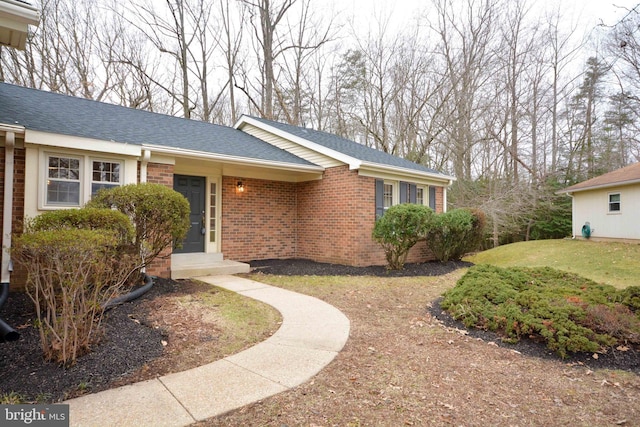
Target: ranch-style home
258, 190
606, 207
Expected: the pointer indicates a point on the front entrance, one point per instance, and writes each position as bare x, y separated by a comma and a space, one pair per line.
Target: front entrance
194, 189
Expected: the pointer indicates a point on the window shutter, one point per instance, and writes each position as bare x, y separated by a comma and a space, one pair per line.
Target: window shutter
379, 198
413, 190
432, 197
403, 192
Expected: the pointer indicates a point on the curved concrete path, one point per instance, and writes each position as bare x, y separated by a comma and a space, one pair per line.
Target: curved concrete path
311, 335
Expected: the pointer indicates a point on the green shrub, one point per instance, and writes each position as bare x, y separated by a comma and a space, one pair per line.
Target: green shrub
159, 214
399, 229
71, 274
571, 313
455, 233
85, 218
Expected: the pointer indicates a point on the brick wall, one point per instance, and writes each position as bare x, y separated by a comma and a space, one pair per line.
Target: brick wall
328, 220
336, 217
259, 223
159, 173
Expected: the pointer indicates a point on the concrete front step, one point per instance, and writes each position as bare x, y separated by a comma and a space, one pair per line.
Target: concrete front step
184, 266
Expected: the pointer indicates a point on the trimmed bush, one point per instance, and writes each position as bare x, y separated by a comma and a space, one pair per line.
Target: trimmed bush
455, 233
85, 218
569, 312
399, 229
72, 273
159, 214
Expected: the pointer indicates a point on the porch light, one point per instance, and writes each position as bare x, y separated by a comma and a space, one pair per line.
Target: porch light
240, 187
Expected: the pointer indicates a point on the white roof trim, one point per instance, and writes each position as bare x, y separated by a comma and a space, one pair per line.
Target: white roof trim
408, 172
600, 187
19, 11
181, 152
351, 161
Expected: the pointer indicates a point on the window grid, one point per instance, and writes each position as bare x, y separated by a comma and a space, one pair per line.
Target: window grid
104, 175
420, 196
387, 195
63, 181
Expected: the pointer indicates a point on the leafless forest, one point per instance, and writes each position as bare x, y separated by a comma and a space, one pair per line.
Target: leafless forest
515, 104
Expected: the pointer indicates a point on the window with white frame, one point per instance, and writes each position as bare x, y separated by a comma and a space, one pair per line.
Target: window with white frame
387, 195
614, 202
63, 181
104, 174
420, 196
72, 180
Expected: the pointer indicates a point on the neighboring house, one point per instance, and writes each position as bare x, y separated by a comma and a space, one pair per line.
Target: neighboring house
15, 18
608, 204
260, 190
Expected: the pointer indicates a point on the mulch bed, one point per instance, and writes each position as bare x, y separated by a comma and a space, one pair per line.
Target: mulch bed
127, 345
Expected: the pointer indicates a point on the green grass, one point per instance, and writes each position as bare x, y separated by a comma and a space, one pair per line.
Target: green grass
617, 264
243, 321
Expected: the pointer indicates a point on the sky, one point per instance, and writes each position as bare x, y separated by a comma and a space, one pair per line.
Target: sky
588, 13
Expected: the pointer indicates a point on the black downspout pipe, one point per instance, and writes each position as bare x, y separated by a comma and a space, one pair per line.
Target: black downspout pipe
7, 333
148, 284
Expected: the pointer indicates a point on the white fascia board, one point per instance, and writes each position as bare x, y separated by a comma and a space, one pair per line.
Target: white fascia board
80, 143
600, 187
180, 152
20, 12
351, 161
379, 170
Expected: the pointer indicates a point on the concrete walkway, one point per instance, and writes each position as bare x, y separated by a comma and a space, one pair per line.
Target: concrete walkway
311, 335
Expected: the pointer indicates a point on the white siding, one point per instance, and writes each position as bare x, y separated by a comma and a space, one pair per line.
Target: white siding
292, 147
593, 207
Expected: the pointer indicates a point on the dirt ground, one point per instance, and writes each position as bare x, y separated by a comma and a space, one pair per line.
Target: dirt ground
400, 366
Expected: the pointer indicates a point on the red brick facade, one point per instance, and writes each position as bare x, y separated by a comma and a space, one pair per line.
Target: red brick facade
158, 173
260, 222
328, 220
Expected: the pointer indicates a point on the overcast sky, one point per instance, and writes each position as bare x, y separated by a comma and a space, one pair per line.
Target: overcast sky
588, 13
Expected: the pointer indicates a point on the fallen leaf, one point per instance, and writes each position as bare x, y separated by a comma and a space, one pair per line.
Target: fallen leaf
622, 348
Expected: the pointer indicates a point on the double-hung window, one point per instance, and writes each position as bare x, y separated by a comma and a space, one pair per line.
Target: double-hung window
63, 181
104, 175
614, 202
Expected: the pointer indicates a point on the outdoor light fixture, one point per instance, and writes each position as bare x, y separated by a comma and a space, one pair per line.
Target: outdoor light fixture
240, 187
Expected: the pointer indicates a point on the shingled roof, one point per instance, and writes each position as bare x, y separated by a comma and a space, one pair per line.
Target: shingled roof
349, 148
60, 114
624, 176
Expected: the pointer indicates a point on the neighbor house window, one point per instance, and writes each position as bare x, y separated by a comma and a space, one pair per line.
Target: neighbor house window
63, 181
614, 202
104, 175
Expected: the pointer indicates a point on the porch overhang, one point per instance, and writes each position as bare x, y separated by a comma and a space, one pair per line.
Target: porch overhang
15, 18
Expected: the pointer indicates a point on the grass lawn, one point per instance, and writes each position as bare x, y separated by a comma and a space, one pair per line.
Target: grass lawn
617, 264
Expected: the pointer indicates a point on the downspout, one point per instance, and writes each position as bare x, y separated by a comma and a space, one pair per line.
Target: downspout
146, 156
7, 333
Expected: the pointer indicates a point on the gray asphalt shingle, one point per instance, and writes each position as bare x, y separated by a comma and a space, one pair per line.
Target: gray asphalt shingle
348, 147
66, 115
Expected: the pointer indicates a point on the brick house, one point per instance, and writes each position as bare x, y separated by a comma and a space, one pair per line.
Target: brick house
258, 190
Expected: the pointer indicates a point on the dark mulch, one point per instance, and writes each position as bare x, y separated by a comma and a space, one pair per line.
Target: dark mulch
126, 346
301, 267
